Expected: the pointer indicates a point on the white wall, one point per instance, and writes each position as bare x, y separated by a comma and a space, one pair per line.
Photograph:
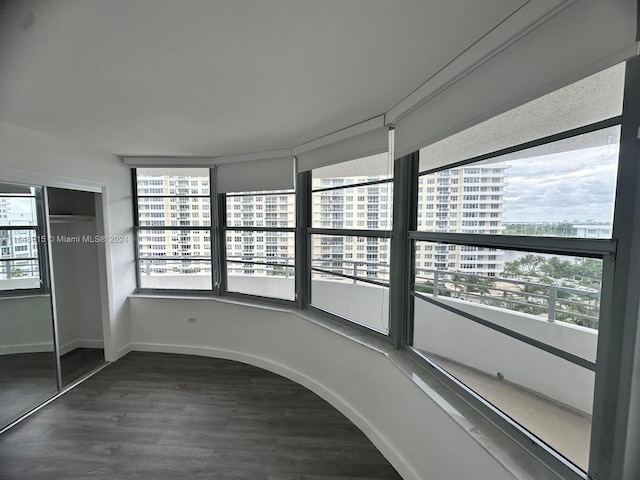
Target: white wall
263, 285
443, 333
363, 303
34, 158
75, 267
26, 325
411, 429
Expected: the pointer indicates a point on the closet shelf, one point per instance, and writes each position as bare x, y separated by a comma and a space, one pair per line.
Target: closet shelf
71, 218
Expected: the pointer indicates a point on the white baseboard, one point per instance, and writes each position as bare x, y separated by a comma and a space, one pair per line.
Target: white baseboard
79, 343
123, 351
26, 348
381, 443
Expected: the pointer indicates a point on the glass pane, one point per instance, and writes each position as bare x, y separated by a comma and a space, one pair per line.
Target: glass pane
360, 208
359, 302
182, 274
174, 212
547, 395
261, 263
565, 188
17, 210
173, 181
562, 290
366, 258
550, 298
19, 274
262, 210
19, 268
174, 243
587, 101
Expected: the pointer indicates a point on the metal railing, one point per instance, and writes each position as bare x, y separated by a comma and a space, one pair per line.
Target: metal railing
352, 269
554, 302
19, 268
261, 265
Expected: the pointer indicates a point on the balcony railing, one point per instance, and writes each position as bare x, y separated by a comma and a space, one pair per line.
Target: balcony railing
554, 302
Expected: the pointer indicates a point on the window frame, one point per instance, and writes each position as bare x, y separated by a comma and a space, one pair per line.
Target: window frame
306, 178
604, 249
41, 238
224, 229
137, 228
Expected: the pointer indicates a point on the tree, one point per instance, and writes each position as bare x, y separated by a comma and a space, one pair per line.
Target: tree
424, 287
278, 271
473, 284
556, 268
531, 263
512, 269
17, 272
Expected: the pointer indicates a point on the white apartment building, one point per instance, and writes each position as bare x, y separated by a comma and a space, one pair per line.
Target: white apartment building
465, 200
256, 210
592, 230
364, 207
462, 200
168, 200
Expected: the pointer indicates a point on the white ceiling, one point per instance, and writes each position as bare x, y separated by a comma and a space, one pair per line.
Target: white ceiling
222, 77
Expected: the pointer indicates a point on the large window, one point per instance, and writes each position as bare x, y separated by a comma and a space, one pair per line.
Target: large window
21, 239
508, 258
260, 243
174, 228
351, 218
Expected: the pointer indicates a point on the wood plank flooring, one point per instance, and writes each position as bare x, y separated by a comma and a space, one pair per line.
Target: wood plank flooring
161, 416
26, 380
79, 362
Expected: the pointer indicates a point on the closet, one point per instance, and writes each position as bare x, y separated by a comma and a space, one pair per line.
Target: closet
75, 240
51, 286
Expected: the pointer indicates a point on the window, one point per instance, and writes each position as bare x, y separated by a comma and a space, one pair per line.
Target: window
171, 249
336, 274
261, 261
517, 320
21, 240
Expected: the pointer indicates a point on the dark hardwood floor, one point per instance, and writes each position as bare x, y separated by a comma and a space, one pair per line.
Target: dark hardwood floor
160, 416
26, 380
79, 362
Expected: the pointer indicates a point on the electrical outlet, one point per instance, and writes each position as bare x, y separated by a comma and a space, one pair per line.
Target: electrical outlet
193, 320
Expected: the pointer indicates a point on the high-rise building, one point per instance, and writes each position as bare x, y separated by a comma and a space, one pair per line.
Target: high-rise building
462, 200
168, 200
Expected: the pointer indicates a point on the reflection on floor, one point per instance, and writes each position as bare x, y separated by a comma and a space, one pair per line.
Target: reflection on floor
26, 380
79, 362
564, 428
162, 416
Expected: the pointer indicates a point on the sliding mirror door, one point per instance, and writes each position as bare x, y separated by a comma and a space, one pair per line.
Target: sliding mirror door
27, 353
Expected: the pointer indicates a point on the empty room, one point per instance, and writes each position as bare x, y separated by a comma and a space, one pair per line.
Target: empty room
342, 239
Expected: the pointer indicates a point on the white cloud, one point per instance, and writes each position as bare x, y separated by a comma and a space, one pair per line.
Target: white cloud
573, 185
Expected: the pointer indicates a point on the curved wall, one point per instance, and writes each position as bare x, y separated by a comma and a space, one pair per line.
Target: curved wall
414, 431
